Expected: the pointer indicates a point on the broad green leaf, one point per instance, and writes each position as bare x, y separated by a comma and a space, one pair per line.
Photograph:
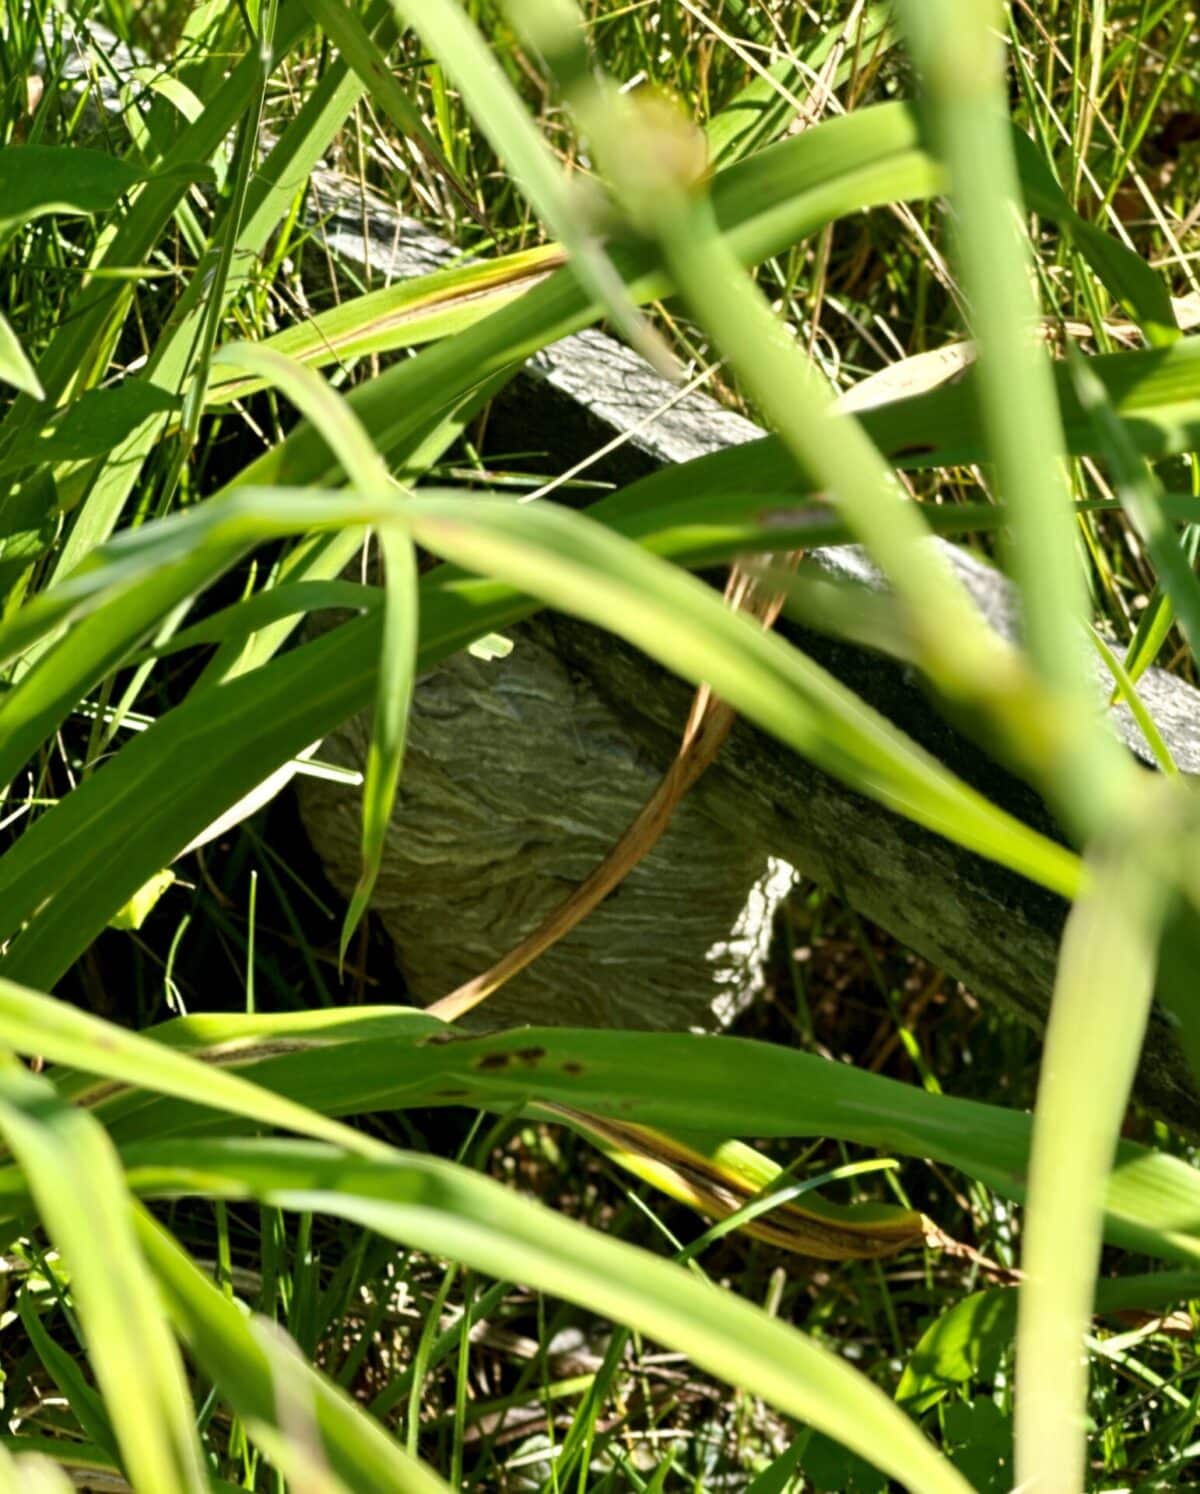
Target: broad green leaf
225, 1342
402, 315
80, 1195
40, 179
405, 1058
15, 367
91, 425
447, 1210
1098, 1014
140, 906
967, 1340
35, 1024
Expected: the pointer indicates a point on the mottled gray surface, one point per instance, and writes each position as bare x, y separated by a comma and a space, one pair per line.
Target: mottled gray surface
519, 776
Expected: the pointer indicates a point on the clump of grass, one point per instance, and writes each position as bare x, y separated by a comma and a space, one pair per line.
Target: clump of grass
435, 1328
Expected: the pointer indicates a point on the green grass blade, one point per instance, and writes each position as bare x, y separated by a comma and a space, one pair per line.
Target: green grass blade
1140, 495
352, 39
79, 350
225, 1343
447, 31
81, 1197
447, 1210
402, 315
957, 50
749, 1088
393, 695
1101, 1004
35, 1024
561, 557
40, 179
179, 358
15, 367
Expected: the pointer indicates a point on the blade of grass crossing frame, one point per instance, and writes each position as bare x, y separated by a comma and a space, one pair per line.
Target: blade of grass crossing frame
343, 27
1098, 1016
557, 555
401, 618
372, 1059
1140, 495
32, 1023
450, 1211
448, 33
385, 751
1125, 689
225, 1342
81, 1197
650, 151
959, 52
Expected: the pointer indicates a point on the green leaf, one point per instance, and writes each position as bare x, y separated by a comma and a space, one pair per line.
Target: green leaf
40, 179
35, 1024
1098, 1014
1138, 288
91, 425
967, 1341
80, 1194
399, 1058
447, 1210
15, 367
245, 1364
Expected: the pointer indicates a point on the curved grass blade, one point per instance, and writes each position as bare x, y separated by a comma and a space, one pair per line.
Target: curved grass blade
224, 1341
81, 1197
447, 31
731, 1179
402, 315
356, 44
401, 618
398, 1059
447, 1210
565, 560
1101, 1004
34, 1024
1139, 491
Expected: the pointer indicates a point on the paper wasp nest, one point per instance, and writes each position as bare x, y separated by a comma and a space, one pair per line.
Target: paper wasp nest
518, 778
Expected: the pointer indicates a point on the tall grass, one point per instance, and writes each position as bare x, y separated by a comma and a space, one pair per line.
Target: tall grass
157, 564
